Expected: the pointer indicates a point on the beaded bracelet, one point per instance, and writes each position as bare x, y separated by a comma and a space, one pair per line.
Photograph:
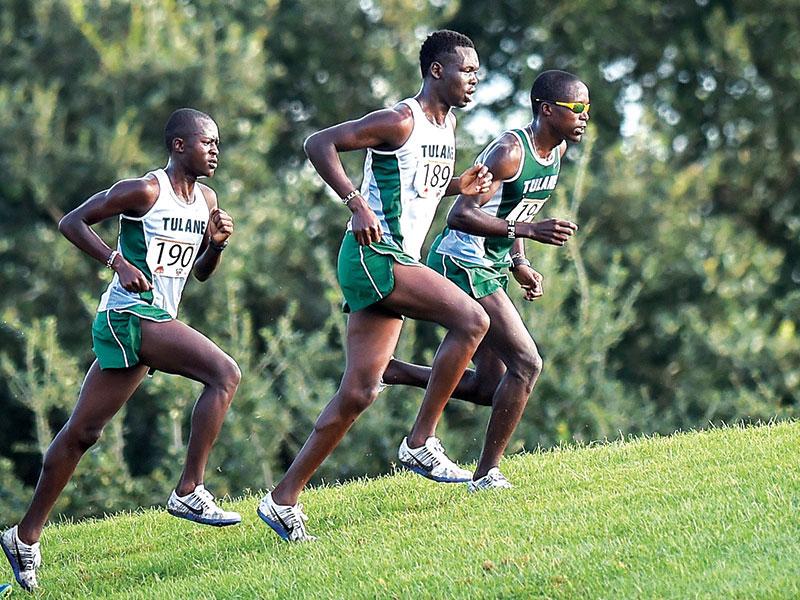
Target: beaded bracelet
350, 196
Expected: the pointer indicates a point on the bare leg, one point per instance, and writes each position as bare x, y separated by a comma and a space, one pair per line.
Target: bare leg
476, 385
102, 395
372, 335
421, 293
174, 347
509, 340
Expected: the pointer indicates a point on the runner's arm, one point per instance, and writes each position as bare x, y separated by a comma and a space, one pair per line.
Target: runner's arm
382, 130
132, 197
528, 278
219, 229
503, 162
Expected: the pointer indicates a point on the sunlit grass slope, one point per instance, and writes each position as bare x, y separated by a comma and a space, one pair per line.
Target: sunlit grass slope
709, 515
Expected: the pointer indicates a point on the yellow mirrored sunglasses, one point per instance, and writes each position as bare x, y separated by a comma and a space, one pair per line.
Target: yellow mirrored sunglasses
577, 107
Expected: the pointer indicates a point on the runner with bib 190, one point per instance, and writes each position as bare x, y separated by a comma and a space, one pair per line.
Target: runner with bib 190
169, 225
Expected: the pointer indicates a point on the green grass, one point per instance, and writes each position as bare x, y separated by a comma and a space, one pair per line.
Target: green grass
698, 515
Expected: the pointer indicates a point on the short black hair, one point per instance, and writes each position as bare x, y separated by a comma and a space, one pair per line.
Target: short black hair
552, 85
181, 124
438, 43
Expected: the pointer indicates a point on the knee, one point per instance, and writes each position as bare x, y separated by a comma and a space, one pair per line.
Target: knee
527, 366
357, 399
227, 377
84, 437
475, 321
350, 401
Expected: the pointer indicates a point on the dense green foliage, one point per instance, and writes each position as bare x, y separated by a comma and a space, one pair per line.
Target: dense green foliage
700, 515
675, 305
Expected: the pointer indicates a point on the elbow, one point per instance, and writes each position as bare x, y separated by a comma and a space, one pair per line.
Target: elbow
201, 271
65, 225
455, 220
310, 145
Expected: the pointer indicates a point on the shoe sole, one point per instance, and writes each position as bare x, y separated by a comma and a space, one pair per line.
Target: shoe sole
15, 568
478, 490
276, 527
427, 474
202, 520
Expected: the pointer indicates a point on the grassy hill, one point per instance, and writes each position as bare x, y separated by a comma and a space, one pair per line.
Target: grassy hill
708, 515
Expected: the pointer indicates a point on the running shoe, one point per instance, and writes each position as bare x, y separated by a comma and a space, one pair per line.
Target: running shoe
199, 506
493, 480
287, 521
5, 590
430, 461
24, 558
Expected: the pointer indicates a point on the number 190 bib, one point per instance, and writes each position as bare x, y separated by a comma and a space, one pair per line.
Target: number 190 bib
169, 258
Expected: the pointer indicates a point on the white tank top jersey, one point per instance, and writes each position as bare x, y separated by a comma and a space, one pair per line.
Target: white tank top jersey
404, 187
162, 244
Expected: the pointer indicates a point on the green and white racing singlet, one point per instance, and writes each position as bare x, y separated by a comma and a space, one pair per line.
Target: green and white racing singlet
162, 244
404, 187
519, 199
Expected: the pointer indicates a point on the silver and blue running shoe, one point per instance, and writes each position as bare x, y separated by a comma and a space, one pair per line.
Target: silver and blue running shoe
493, 480
199, 506
430, 461
289, 522
24, 558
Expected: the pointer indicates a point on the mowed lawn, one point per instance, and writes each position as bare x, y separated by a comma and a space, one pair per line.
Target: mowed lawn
696, 515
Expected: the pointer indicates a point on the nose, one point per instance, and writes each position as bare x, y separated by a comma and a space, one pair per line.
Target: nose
214, 150
584, 116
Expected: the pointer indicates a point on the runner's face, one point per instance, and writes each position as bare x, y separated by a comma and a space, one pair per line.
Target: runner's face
570, 126
460, 76
202, 148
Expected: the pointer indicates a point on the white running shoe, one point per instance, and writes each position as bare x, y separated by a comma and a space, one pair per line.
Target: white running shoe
493, 480
24, 558
199, 506
287, 521
430, 461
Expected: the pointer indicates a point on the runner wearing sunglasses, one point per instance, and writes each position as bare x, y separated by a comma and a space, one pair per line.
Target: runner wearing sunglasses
484, 237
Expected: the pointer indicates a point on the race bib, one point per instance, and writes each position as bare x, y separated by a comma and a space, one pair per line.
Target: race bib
170, 258
525, 211
432, 178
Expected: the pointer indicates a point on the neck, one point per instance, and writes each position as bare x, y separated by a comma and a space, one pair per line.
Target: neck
182, 181
543, 139
432, 105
